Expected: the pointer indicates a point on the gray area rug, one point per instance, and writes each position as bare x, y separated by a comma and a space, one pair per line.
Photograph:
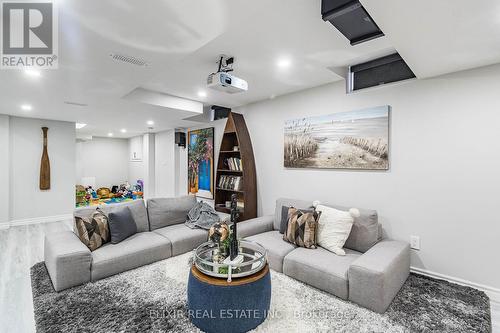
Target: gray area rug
153, 299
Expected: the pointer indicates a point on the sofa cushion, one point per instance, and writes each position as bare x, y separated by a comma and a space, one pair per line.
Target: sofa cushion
169, 211
276, 248
93, 231
255, 226
301, 228
364, 232
300, 204
183, 238
137, 208
121, 224
138, 250
321, 268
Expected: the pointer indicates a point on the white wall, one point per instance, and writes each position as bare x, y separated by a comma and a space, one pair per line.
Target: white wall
4, 168
444, 180
26, 143
106, 159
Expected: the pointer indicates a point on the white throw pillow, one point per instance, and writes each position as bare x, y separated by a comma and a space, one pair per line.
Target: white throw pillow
334, 226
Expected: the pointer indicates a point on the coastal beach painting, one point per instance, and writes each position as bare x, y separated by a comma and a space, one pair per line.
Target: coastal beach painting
346, 140
201, 162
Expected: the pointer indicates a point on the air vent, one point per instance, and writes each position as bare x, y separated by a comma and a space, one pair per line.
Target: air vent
388, 69
75, 103
351, 19
129, 59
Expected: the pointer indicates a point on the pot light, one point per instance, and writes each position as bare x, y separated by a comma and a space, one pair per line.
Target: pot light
284, 63
202, 93
123, 130
150, 122
26, 107
80, 126
110, 134
32, 72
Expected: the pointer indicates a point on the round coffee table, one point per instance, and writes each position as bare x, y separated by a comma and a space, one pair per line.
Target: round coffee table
217, 305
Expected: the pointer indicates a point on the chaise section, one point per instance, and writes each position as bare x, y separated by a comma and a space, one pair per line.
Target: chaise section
137, 250
67, 260
276, 248
183, 239
376, 277
321, 268
255, 226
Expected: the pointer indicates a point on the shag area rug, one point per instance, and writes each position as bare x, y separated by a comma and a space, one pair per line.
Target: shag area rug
153, 299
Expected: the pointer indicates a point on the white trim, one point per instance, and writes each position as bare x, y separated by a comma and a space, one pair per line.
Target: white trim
38, 220
493, 293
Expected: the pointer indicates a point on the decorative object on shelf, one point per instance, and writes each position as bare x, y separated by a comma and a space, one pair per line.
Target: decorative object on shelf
345, 140
234, 248
45, 163
201, 162
236, 169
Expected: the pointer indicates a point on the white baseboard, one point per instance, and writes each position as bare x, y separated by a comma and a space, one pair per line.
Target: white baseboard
493, 293
36, 220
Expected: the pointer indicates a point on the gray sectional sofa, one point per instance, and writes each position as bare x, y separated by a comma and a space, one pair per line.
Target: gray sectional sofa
370, 274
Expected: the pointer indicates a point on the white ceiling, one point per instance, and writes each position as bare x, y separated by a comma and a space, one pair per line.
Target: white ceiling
181, 41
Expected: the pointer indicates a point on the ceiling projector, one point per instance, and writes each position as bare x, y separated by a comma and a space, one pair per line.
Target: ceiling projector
225, 82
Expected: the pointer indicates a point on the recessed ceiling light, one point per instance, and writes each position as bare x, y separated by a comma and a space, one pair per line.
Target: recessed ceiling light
26, 107
110, 134
123, 130
80, 126
202, 93
284, 62
150, 122
32, 72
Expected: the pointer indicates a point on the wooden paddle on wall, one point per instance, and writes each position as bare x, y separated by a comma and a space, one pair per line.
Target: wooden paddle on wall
45, 164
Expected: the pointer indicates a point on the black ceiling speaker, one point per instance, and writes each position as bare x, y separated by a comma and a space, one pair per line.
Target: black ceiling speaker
180, 139
220, 112
391, 68
351, 19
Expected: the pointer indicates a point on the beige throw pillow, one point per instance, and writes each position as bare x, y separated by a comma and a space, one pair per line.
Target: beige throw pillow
334, 227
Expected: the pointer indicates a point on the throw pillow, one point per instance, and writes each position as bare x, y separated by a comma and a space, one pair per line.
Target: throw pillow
301, 229
121, 224
285, 217
334, 227
93, 231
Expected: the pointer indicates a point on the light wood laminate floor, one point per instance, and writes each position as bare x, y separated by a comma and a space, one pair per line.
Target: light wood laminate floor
20, 248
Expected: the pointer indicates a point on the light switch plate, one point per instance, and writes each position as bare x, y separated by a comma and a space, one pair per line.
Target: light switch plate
415, 242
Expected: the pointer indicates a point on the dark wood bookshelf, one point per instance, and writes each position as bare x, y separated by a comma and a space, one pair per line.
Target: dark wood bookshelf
236, 134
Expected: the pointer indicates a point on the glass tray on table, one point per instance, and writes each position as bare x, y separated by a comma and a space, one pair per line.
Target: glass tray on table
209, 259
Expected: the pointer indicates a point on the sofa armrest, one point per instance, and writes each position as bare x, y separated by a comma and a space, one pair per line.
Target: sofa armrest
255, 226
67, 260
376, 276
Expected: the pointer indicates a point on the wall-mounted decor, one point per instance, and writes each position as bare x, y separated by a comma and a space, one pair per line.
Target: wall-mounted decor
346, 140
45, 163
201, 162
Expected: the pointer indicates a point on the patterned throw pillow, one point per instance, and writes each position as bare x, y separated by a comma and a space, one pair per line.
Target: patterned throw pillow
93, 231
301, 229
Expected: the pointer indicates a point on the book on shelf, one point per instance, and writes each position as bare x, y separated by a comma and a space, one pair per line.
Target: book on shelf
233, 164
234, 183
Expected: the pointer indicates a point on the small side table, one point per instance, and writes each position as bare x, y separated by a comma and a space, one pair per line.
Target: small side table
216, 305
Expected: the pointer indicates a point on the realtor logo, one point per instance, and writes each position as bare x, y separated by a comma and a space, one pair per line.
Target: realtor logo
29, 35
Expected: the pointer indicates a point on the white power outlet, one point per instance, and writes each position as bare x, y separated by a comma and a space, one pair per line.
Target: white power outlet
415, 242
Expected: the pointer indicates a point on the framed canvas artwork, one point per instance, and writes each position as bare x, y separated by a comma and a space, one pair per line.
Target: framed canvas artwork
347, 140
201, 162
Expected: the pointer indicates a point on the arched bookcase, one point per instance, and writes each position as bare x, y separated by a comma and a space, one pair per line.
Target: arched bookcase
236, 169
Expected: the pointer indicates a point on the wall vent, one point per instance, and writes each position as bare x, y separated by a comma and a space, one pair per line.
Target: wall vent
129, 59
75, 103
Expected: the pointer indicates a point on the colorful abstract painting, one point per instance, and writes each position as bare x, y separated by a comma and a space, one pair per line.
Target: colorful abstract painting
345, 140
201, 162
